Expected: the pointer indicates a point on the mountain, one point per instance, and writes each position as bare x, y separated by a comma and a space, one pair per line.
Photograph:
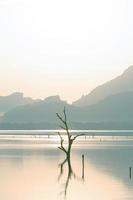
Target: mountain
115, 108
108, 106
44, 110
122, 83
9, 102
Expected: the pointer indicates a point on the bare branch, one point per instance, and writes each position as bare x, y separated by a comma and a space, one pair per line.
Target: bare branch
65, 115
61, 143
77, 136
61, 138
64, 121
60, 118
60, 135
62, 149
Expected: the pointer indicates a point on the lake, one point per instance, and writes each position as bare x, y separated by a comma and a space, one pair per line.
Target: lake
30, 168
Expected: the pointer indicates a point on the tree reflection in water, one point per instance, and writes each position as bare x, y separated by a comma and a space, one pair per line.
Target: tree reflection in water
67, 150
70, 174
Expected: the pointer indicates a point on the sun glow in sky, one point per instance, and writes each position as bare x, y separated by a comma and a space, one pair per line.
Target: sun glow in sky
63, 47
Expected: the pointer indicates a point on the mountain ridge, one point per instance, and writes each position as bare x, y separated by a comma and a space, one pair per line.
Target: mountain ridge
122, 83
11, 101
113, 108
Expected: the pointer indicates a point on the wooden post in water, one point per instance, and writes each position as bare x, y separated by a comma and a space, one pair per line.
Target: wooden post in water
130, 172
83, 167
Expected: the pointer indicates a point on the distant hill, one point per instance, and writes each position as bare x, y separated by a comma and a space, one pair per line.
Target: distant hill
44, 110
11, 101
108, 106
123, 83
115, 108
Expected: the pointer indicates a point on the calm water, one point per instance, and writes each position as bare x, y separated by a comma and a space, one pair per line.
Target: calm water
30, 169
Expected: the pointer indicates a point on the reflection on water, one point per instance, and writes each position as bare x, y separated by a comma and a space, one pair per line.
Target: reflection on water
70, 174
34, 171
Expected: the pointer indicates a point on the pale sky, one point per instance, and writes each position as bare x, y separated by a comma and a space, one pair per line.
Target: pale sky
50, 47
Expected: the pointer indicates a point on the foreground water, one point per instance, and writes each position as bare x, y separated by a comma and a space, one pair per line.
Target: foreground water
30, 169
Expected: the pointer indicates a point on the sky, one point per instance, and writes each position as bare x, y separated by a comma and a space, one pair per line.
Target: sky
50, 47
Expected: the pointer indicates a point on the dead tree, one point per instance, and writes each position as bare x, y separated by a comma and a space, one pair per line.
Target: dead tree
70, 137
66, 150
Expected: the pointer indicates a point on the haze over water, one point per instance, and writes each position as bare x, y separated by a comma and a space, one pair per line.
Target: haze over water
30, 169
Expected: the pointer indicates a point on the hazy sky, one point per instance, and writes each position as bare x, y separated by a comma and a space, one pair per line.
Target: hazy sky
50, 47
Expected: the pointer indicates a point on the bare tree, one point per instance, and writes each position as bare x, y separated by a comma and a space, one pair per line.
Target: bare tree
70, 137
66, 150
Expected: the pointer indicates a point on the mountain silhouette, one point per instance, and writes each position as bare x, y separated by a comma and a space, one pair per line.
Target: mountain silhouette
37, 112
122, 83
11, 101
112, 105
114, 108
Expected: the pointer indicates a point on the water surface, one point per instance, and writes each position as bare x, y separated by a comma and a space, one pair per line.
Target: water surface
29, 169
